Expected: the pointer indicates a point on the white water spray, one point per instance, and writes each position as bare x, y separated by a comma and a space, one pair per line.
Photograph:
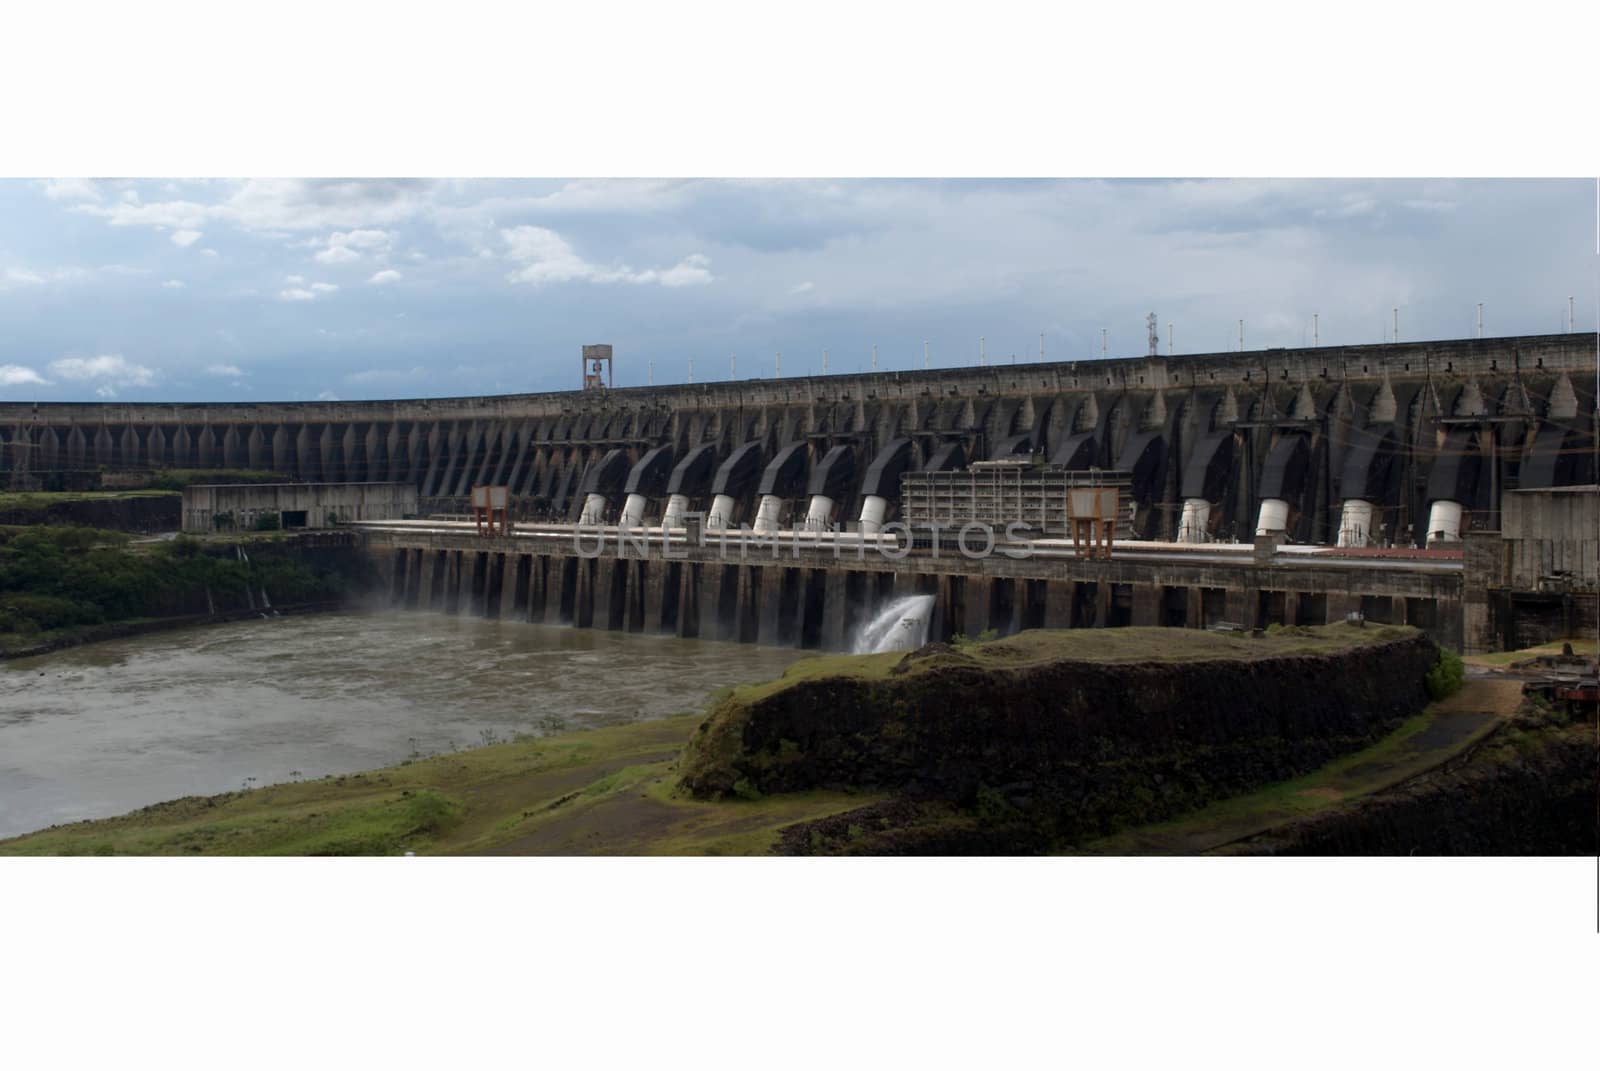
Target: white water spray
266, 602
902, 625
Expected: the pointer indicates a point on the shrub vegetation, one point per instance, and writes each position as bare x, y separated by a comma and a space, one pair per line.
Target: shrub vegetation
55, 578
1447, 675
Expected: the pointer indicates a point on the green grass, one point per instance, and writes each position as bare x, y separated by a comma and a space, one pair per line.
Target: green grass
1116, 645
40, 500
1385, 763
605, 790
1505, 658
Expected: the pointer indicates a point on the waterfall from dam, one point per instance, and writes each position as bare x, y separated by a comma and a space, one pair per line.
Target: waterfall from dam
265, 601
902, 625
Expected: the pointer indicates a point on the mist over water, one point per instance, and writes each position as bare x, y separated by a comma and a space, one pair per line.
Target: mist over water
99, 730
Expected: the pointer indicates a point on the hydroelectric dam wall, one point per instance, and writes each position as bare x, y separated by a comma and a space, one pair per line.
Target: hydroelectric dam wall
1362, 444
819, 590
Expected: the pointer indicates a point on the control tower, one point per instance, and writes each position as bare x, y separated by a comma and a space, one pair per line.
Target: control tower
596, 367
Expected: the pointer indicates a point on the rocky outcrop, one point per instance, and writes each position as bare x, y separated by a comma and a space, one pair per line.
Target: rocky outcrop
1067, 748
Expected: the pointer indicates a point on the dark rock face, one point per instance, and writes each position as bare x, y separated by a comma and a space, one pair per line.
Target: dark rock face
1528, 790
1066, 749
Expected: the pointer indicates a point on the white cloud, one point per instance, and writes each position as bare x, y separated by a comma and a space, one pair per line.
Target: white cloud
296, 289
10, 277
223, 370
388, 275
345, 246
802, 288
336, 254
327, 396
387, 375
15, 375
545, 257
282, 205
108, 370
186, 238
174, 284
692, 270
72, 189
1430, 205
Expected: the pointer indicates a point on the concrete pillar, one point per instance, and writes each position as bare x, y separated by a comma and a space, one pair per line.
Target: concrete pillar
677, 506
1146, 605
708, 596
721, 515
1196, 515
613, 594
1195, 611
1102, 604
1274, 516
507, 570
833, 612
980, 595
452, 582
1444, 522
633, 512
771, 606
654, 594
429, 580
1291, 607
689, 584
494, 585
1241, 606
873, 508
1341, 604
410, 560
584, 592
639, 573
594, 510
1355, 523
536, 587
558, 587
1058, 604
767, 514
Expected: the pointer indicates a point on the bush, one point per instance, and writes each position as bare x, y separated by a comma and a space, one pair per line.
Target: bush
1447, 674
961, 639
267, 522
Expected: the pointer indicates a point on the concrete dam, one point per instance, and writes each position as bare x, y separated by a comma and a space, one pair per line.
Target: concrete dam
1364, 451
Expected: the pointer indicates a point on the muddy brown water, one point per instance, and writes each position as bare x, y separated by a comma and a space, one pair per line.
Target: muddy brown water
99, 730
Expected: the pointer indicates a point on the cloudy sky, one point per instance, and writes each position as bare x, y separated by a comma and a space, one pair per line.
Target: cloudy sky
296, 289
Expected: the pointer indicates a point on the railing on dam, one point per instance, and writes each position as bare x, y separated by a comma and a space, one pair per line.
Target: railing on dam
814, 589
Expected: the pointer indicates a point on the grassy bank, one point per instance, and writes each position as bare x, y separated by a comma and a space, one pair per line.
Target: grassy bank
39, 501
603, 791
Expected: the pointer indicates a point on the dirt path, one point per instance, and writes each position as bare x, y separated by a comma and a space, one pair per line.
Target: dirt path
1445, 729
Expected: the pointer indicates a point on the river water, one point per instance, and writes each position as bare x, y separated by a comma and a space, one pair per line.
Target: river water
106, 728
